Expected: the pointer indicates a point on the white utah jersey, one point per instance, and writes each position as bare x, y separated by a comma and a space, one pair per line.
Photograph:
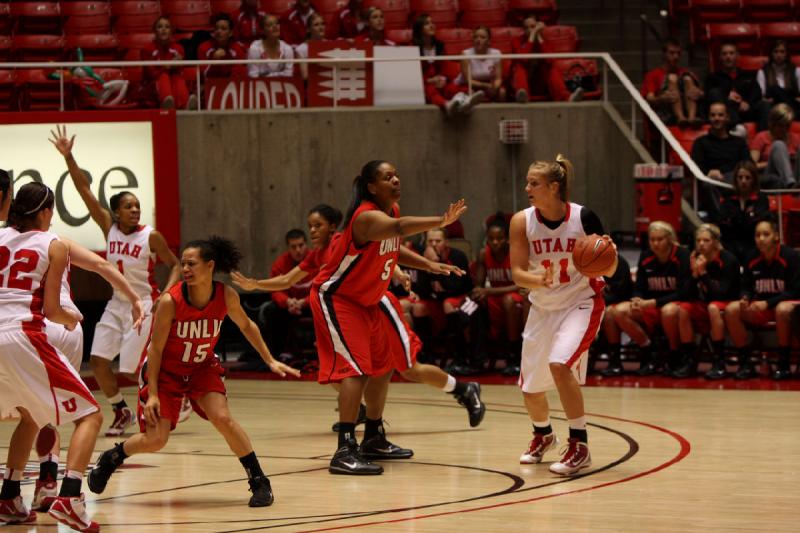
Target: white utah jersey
554, 246
131, 254
66, 291
24, 260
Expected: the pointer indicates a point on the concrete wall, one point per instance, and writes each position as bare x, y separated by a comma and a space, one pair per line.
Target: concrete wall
253, 176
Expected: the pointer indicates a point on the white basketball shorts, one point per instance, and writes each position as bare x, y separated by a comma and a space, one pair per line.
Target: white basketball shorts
114, 335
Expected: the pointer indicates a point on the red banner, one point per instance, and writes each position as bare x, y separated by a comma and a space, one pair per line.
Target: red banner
348, 84
254, 93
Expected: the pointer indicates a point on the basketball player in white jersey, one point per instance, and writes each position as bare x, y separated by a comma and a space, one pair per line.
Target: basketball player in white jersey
566, 309
37, 383
133, 248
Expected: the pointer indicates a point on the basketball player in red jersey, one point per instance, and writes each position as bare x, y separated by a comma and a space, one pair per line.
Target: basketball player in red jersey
351, 338
181, 362
134, 248
566, 309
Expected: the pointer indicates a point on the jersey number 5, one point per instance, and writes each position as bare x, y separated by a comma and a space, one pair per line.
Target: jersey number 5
387, 269
563, 264
25, 261
200, 353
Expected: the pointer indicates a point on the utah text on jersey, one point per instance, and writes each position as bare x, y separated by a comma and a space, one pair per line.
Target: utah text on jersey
552, 245
124, 248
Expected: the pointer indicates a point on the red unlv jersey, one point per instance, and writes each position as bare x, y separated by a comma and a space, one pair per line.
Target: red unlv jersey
194, 332
360, 274
498, 273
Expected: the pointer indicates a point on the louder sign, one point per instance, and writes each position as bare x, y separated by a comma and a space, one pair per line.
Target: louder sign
258, 93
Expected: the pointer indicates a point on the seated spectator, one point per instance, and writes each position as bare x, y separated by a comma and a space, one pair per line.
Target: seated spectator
662, 279
528, 74
375, 31
486, 74
439, 88
351, 20
775, 150
718, 152
735, 87
270, 47
222, 46
618, 289
316, 32
779, 81
715, 283
504, 301
294, 23
672, 90
740, 209
248, 22
169, 82
770, 289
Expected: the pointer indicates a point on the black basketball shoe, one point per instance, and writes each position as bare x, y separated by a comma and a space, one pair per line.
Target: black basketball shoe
105, 465
348, 461
262, 492
471, 400
377, 447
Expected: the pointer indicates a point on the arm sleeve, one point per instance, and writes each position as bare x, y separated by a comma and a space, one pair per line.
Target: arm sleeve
591, 222
619, 286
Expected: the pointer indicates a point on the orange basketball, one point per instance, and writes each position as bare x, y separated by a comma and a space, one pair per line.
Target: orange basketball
593, 255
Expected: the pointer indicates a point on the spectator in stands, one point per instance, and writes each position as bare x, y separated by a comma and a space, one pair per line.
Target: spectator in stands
351, 20
779, 81
170, 85
441, 298
718, 152
270, 47
618, 289
662, 279
715, 283
740, 209
316, 32
222, 46
439, 88
672, 90
528, 74
735, 87
485, 74
376, 29
248, 22
775, 150
294, 23
770, 289
504, 301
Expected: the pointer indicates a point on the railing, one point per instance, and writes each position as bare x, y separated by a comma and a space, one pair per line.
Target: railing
608, 62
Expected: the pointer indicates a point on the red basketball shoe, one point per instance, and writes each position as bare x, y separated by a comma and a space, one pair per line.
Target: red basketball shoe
14, 512
72, 512
576, 457
538, 446
45, 494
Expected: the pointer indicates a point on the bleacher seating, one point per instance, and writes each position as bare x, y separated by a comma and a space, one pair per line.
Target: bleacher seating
544, 10
38, 92
188, 15
224, 6
744, 35
399, 37
490, 13
95, 47
560, 39
767, 10
395, 12
443, 12
787, 31
86, 17
702, 12
5, 18
276, 7
37, 47
5, 47
135, 16
36, 17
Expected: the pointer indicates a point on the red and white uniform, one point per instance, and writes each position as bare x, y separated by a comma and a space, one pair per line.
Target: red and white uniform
498, 274
189, 366
564, 319
69, 343
33, 373
404, 344
344, 303
114, 333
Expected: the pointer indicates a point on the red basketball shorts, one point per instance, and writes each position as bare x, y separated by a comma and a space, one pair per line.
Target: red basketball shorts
435, 309
404, 345
497, 317
698, 313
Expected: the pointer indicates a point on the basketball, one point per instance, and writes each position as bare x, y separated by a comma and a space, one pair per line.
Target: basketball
593, 255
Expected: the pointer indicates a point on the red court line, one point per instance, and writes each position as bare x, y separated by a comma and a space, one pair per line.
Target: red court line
685, 448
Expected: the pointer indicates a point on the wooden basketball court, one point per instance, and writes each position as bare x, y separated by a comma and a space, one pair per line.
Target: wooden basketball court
663, 460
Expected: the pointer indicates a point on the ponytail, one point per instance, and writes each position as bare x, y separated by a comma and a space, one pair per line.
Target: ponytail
222, 251
360, 189
561, 171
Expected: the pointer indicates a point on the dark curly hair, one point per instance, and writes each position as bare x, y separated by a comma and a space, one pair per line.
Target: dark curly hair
222, 251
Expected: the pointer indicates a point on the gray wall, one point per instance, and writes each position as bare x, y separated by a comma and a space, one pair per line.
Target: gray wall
253, 176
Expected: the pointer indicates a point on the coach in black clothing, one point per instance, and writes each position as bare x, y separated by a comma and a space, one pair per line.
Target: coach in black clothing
737, 88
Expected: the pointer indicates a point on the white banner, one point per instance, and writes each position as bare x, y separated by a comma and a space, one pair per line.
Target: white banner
117, 156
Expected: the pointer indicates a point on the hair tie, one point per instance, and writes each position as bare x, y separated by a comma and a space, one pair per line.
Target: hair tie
47, 192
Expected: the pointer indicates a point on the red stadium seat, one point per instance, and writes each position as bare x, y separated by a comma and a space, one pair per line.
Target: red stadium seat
328, 6
135, 16
36, 17
39, 92
401, 37
443, 12
579, 68
95, 47
490, 13
5, 47
559, 39
702, 12
744, 35
224, 6
86, 17
276, 7
751, 62
8, 81
5, 19
37, 47
787, 31
544, 10
455, 40
395, 12
501, 39
686, 138
188, 15
767, 10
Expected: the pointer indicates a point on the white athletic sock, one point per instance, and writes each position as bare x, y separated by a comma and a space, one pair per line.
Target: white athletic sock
450, 386
13, 475
74, 474
49, 457
116, 398
577, 423
542, 424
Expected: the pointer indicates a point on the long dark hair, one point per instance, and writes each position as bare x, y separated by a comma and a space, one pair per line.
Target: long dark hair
28, 202
222, 251
770, 69
360, 189
418, 39
5, 184
330, 214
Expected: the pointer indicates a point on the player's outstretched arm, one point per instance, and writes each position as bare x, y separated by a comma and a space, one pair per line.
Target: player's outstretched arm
377, 225
57, 253
520, 257
278, 283
253, 335
412, 259
63, 144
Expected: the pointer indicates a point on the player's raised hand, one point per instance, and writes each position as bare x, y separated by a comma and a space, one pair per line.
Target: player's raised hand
442, 268
61, 141
453, 212
242, 281
282, 369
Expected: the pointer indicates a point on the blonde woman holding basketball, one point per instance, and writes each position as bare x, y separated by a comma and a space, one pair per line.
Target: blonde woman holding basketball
566, 308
